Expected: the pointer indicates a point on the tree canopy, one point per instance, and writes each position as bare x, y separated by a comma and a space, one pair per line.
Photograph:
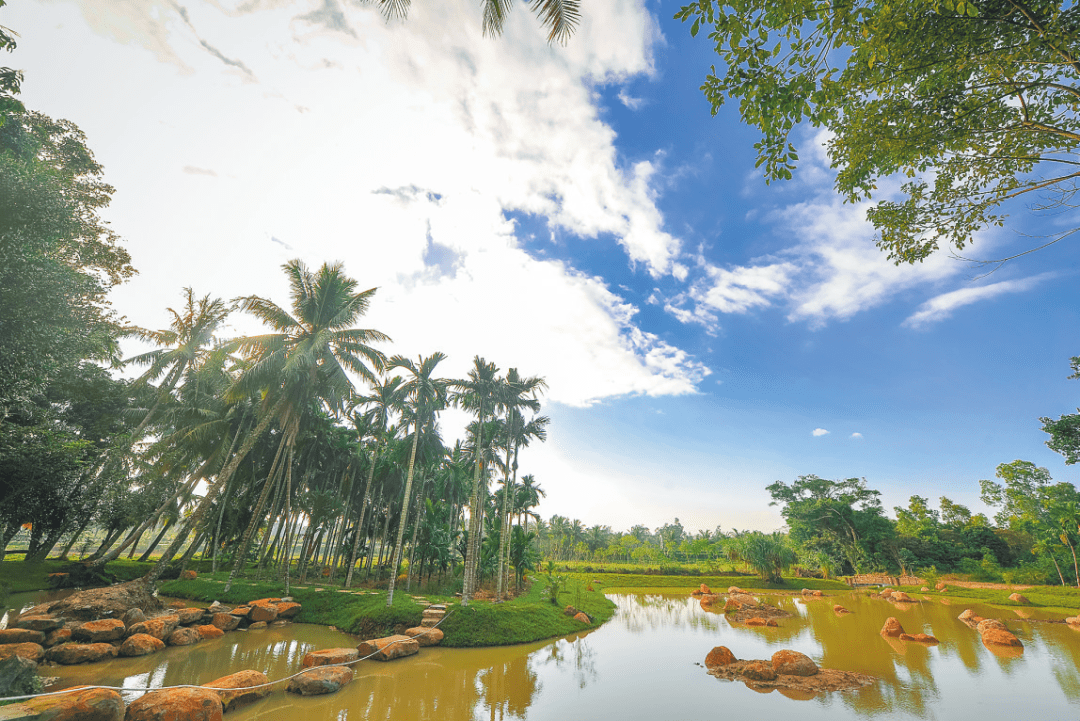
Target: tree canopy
973, 103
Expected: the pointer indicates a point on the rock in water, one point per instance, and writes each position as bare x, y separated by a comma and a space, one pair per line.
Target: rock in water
183, 637
759, 671
30, 651
425, 636
919, 638
320, 680
109, 629
719, 656
892, 628
20, 635
133, 616
389, 648
69, 654
176, 704
240, 680
793, 663
330, 656
225, 621
80, 704
140, 644
108, 602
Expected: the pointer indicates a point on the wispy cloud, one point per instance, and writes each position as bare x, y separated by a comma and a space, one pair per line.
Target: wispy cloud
192, 170
629, 101
856, 434
942, 306
819, 432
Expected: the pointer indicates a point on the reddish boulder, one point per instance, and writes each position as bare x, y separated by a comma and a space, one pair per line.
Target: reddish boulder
188, 575
209, 631
40, 623
288, 609
108, 602
886, 592
69, 654
109, 629
840, 610
735, 589
580, 616
330, 656
919, 638
263, 612
176, 704
709, 599
320, 680
901, 597
55, 638
570, 611
793, 663
817, 594
189, 616
20, 635
133, 616
160, 627
998, 637
732, 605
940, 585
1017, 598
244, 681
987, 623
892, 628
719, 656
241, 611
759, 671
140, 644
970, 618
389, 648
425, 636
225, 621
79, 704
30, 651
760, 622
704, 589
183, 637
265, 602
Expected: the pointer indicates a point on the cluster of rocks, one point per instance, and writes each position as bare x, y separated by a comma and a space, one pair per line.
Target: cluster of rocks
995, 634
895, 596
893, 629
744, 607
787, 671
577, 615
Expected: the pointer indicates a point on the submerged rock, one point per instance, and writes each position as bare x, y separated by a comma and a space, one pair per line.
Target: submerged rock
919, 638
240, 680
176, 704
320, 680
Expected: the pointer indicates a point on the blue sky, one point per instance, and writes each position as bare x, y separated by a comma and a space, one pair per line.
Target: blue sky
577, 213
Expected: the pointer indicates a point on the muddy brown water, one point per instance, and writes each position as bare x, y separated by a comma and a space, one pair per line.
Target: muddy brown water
646, 664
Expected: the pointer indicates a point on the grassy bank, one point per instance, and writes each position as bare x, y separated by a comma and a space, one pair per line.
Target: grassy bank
21, 577
630, 582
529, 617
1057, 599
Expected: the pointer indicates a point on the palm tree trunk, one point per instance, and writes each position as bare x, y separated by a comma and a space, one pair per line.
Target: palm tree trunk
276, 507
374, 532
288, 506
416, 531
360, 522
224, 502
469, 582
396, 558
504, 518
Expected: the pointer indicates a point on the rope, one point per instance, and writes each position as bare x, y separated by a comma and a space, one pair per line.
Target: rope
215, 688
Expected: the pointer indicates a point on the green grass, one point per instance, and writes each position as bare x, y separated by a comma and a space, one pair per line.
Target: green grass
22, 577
1058, 599
626, 582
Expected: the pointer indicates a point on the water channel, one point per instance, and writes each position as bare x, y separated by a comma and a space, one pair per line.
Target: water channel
646, 664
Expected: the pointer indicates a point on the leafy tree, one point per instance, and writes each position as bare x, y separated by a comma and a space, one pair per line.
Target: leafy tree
974, 102
1065, 431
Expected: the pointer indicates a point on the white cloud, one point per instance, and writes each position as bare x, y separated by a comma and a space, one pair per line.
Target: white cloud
941, 307
856, 435
630, 102
819, 432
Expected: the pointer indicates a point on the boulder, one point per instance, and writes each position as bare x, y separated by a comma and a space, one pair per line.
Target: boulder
805, 592
288, 609
970, 618
20, 635
209, 631
265, 602
108, 602
901, 597
30, 651
40, 623
330, 656
719, 656
140, 644
55, 638
759, 671
709, 599
1073, 620
892, 628
188, 575
159, 627
793, 663
704, 589
17, 676
924, 589
79, 704
389, 648
263, 612
133, 616
918, 638
732, 605
570, 611
1017, 598
580, 616
425, 636
190, 616
320, 680
760, 622
988, 623
940, 585
176, 704
183, 637
257, 626
225, 621
108, 629
240, 680
735, 589
69, 654
886, 593
241, 611
998, 637
817, 594
840, 610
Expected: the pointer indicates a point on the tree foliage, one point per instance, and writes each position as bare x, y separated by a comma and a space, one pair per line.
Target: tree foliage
1065, 431
973, 102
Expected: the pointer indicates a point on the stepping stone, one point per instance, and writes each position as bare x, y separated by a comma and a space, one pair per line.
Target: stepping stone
320, 680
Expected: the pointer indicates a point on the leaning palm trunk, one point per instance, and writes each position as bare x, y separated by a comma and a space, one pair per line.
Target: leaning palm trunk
360, 522
211, 494
395, 560
288, 538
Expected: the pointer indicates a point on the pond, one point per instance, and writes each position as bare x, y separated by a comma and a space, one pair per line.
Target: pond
646, 663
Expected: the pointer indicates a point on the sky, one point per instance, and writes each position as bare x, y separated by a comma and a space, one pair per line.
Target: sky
574, 212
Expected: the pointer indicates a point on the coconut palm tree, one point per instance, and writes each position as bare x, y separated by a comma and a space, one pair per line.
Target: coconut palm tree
560, 17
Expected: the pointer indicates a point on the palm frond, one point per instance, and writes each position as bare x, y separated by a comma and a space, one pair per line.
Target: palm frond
560, 17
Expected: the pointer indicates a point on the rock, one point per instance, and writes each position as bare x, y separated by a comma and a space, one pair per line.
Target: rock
79, 704
288, 609
732, 605
892, 628
330, 657
279, 623
160, 627
320, 680
817, 594
580, 616
1001, 638
886, 593
918, 638
183, 637
719, 656
988, 623
970, 618
263, 612
759, 671
17, 676
760, 622
108, 629
389, 648
425, 636
1073, 620
55, 638
709, 599
40, 623
924, 589
940, 585
176, 704
570, 611
188, 575
209, 631
140, 644
133, 616
108, 602
793, 663
704, 589
744, 599
265, 602
1017, 598
257, 626
225, 621
190, 616
805, 592
695, 593
240, 680
20, 635
735, 589
30, 651
840, 610
69, 654
901, 597
241, 611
